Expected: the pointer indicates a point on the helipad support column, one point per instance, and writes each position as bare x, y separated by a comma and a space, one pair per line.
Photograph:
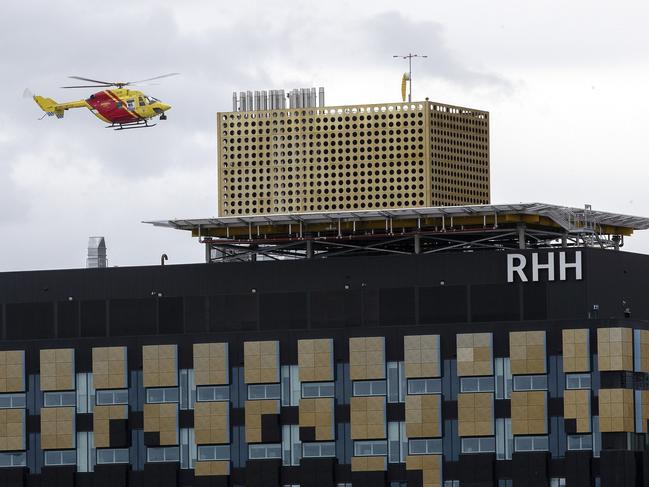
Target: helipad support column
521, 235
417, 243
564, 240
309, 249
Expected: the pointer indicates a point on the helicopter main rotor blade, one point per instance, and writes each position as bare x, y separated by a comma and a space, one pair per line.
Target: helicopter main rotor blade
155, 77
88, 86
92, 80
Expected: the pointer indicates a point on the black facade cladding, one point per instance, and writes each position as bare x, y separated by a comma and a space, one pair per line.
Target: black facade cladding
338, 298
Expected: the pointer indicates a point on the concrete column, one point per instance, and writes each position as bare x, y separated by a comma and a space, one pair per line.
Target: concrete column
309, 249
521, 235
417, 243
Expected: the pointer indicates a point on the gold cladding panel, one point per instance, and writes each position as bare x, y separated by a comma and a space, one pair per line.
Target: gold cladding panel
211, 364
160, 365
475, 414
12, 371
368, 418
421, 356
58, 428
576, 350
212, 468
318, 413
101, 422
212, 422
57, 369
529, 416
576, 405
616, 411
644, 414
643, 346
474, 354
12, 430
527, 352
109, 368
316, 360
369, 464
261, 362
431, 467
163, 419
451, 154
253, 413
615, 349
423, 416
367, 358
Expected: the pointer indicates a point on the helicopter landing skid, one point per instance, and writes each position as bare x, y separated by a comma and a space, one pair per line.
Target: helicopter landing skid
140, 124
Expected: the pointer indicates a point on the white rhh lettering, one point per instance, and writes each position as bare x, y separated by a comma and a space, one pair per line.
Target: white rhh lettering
516, 264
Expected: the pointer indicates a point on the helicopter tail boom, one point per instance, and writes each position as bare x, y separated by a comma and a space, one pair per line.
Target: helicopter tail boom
51, 107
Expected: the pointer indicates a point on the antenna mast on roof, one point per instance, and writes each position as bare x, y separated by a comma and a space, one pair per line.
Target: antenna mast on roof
409, 57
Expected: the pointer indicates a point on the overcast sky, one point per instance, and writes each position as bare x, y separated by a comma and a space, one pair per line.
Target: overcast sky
566, 84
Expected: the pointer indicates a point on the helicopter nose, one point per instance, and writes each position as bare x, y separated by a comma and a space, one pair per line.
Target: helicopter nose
164, 107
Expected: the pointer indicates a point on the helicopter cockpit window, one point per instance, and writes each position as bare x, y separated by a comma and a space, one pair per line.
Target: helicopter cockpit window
141, 101
130, 104
149, 100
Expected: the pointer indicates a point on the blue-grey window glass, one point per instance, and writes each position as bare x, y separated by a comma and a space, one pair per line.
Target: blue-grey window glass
370, 448
61, 457
117, 396
85, 393
531, 443
578, 381
425, 446
318, 449
479, 445
396, 381
291, 446
317, 389
163, 454
112, 455
212, 393
530, 382
580, 442
15, 459
55, 399
187, 389
261, 451
369, 388
187, 448
424, 386
477, 384
12, 401
162, 395
213, 452
264, 391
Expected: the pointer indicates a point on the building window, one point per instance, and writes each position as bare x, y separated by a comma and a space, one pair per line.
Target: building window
580, 442
264, 391
451, 483
530, 383
370, 448
61, 457
85, 452
112, 455
397, 442
85, 393
425, 447
369, 388
479, 445
55, 399
261, 451
12, 401
291, 446
291, 391
13, 459
321, 449
118, 396
531, 443
424, 386
396, 382
557, 482
213, 393
577, 381
213, 452
162, 394
187, 389
477, 384
317, 389
187, 448
164, 454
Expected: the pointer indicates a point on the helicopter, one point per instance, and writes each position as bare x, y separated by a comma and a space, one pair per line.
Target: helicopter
122, 107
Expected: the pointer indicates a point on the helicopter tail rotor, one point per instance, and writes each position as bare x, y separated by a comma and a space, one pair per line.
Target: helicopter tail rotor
28, 93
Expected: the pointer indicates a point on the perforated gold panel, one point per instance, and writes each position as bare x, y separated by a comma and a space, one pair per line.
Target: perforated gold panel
616, 412
431, 467
57, 369
367, 358
58, 428
318, 414
368, 418
12, 429
474, 354
253, 413
101, 422
212, 423
423, 416
615, 348
475, 414
109, 368
316, 359
212, 468
576, 350
261, 362
369, 464
527, 352
529, 413
576, 405
393, 155
421, 356
12, 371
163, 419
160, 365
211, 364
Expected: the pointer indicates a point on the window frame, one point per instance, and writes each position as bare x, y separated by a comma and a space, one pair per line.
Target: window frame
437, 389
516, 387
12, 398
72, 454
114, 452
483, 384
372, 385
165, 392
580, 377
432, 446
112, 392
164, 450
581, 439
215, 448
199, 389
373, 444
481, 447
533, 439
70, 395
266, 447
266, 388
320, 445
12, 455
319, 385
